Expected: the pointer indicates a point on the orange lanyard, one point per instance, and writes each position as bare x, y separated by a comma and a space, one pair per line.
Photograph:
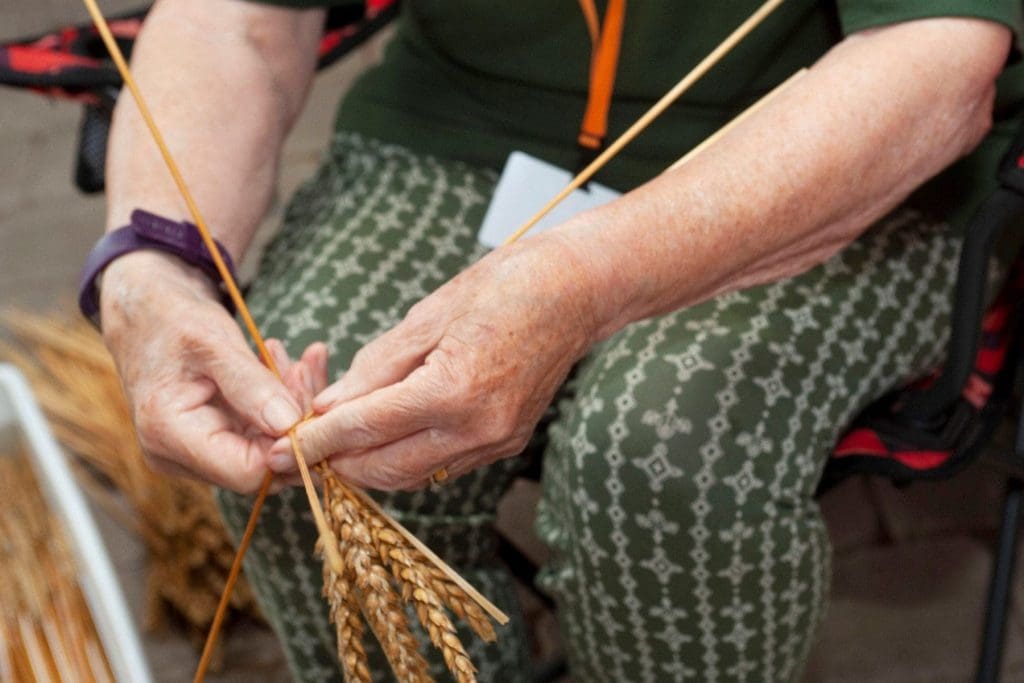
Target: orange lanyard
605, 39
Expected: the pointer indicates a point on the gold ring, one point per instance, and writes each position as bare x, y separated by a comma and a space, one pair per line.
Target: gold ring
439, 476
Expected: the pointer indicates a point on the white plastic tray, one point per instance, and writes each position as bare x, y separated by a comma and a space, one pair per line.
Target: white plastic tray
22, 423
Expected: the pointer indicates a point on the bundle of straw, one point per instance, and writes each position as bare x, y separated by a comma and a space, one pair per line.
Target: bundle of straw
46, 630
77, 385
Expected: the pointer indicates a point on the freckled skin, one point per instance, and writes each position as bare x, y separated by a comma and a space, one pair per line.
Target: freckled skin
464, 377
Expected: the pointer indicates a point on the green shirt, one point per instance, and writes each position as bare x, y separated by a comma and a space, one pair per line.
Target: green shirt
474, 80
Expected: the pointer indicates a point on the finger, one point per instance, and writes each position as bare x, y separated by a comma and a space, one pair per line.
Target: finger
469, 461
386, 360
299, 381
252, 390
279, 355
404, 464
368, 422
309, 387
410, 462
209, 448
315, 357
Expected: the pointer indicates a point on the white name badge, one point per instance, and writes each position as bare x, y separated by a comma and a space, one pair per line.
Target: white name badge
525, 186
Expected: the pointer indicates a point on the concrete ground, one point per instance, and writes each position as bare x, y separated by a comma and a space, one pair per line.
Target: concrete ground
910, 566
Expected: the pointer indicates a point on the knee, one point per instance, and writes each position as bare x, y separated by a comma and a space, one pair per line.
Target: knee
689, 424
681, 447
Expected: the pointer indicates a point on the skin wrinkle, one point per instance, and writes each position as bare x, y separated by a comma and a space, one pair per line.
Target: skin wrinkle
497, 420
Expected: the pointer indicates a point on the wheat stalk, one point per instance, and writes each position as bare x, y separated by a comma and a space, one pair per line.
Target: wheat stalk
416, 588
428, 577
76, 383
411, 573
434, 619
46, 630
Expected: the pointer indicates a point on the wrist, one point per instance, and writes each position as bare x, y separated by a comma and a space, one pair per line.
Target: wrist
595, 280
152, 271
582, 286
149, 232
149, 279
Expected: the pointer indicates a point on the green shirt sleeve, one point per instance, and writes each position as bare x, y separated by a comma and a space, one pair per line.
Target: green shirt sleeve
857, 15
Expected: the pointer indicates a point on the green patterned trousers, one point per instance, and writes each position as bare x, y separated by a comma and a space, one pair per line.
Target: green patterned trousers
679, 473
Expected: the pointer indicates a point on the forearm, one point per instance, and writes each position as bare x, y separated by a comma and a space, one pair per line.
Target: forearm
801, 178
225, 80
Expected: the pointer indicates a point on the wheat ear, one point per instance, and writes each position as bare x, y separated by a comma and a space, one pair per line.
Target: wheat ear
380, 604
435, 621
344, 606
395, 549
409, 573
461, 604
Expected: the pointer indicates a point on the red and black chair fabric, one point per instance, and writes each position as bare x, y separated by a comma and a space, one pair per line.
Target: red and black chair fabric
935, 428
72, 63
895, 438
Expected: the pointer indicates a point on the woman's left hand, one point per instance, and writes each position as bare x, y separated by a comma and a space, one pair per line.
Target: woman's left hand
463, 379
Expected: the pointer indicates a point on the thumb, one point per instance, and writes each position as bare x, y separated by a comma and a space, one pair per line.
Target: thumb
386, 360
253, 391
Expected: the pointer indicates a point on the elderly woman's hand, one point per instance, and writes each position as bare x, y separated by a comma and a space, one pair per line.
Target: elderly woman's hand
463, 379
203, 404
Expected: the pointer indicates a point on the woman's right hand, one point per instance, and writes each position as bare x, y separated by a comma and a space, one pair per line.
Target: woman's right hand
203, 404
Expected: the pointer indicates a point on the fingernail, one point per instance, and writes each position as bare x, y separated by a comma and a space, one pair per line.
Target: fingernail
282, 462
280, 415
327, 398
322, 401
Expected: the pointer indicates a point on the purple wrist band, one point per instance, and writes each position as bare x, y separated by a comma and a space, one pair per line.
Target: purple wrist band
147, 231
